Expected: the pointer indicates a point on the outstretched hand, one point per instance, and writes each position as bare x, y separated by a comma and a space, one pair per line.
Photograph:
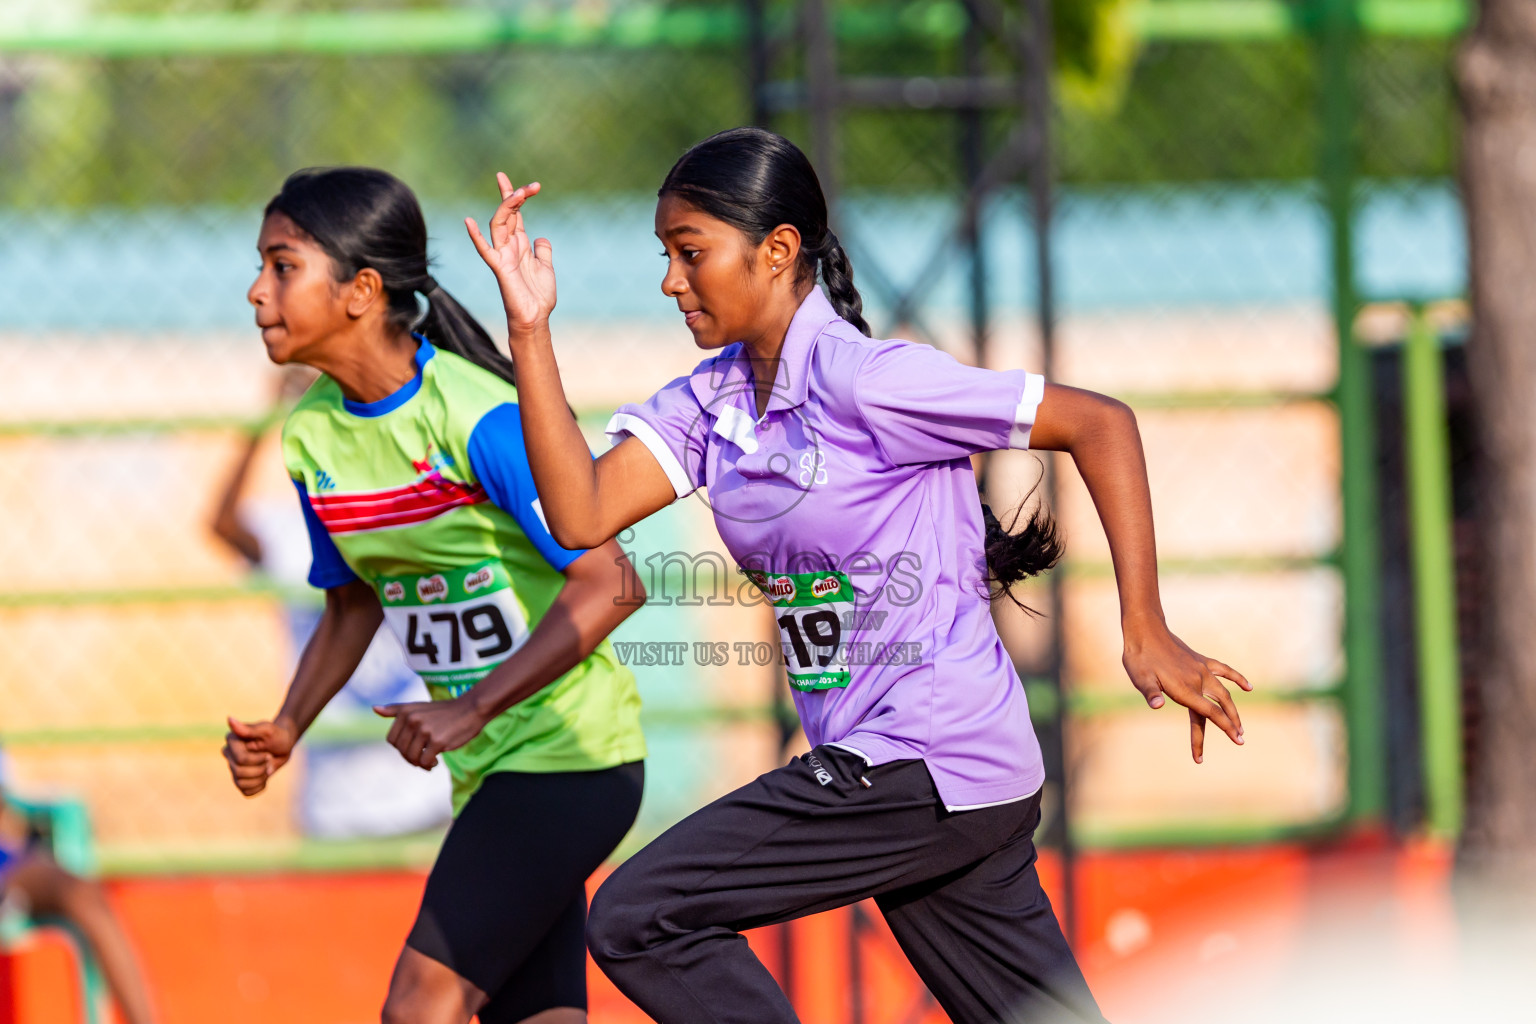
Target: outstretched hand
525, 272
255, 750
1160, 663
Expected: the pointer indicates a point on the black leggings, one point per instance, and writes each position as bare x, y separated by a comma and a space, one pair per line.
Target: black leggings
506, 902
959, 890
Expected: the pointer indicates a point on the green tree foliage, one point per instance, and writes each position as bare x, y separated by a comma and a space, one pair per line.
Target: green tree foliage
1095, 50
151, 131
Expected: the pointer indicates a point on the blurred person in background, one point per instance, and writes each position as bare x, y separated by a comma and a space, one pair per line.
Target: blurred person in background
348, 789
408, 458
32, 883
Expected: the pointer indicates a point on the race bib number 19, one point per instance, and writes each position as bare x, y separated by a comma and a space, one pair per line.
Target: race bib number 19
810, 608
456, 625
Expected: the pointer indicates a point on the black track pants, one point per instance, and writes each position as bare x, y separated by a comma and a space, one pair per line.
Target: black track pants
959, 890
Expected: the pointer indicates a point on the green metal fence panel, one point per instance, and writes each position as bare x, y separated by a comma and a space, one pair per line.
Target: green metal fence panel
1434, 575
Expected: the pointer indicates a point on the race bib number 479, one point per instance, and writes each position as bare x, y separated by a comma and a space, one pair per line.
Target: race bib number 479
810, 608
456, 625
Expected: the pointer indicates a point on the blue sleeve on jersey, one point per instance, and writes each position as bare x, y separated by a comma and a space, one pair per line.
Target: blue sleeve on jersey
328, 569
500, 461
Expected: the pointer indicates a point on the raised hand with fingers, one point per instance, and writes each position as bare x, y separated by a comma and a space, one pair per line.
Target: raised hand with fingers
255, 750
1160, 663
525, 271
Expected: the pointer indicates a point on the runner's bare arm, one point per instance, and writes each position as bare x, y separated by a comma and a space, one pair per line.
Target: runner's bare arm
255, 750
352, 617
601, 590
585, 501
1101, 435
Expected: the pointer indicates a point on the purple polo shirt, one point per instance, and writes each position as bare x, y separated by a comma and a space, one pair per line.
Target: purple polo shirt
852, 506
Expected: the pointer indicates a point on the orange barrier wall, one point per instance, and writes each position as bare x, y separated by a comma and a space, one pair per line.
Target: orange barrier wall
317, 949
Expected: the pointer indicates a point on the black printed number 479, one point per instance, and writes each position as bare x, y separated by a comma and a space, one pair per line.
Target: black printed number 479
482, 622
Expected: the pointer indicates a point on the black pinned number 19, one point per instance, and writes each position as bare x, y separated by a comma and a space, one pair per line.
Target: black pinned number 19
822, 628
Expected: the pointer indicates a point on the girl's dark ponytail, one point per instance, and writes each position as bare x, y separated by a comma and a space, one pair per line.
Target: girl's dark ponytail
449, 326
363, 217
837, 275
1014, 557
755, 180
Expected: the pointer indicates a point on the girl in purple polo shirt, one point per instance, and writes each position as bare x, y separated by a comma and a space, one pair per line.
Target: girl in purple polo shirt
838, 468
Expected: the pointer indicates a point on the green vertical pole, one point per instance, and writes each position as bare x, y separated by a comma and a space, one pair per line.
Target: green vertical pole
1434, 576
1337, 28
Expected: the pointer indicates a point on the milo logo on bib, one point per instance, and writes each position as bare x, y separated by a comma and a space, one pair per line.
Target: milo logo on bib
823, 587
811, 609
457, 625
781, 589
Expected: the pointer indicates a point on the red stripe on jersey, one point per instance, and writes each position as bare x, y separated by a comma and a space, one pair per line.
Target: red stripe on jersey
394, 506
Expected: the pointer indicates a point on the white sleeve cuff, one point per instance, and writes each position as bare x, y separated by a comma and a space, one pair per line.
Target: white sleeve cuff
1024, 412
629, 423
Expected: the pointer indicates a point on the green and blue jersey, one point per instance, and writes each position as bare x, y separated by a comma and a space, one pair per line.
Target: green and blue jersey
426, 495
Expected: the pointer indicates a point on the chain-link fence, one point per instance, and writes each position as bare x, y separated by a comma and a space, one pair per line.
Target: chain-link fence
1191, 245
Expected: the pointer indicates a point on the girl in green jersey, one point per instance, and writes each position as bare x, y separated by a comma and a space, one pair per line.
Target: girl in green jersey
408, 458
